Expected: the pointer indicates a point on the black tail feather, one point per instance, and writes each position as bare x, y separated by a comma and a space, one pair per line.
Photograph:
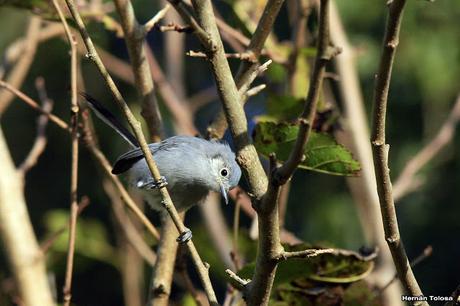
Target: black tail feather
108, 118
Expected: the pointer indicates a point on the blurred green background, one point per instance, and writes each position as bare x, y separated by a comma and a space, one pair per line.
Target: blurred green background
425, 84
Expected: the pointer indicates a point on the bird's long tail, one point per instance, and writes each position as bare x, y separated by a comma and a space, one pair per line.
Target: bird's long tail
108, 118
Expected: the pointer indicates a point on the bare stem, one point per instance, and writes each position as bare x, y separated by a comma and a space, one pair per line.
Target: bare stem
74, 110
40, 140
380, 150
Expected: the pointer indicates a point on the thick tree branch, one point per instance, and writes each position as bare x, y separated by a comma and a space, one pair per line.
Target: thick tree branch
134, 36
21, 248
270, 249
247, 69
246, 154
135, 125
380, 150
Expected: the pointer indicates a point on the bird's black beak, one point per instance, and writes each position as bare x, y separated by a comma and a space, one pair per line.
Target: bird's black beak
224, 193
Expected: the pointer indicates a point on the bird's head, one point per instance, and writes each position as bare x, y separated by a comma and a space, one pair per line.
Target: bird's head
225, 171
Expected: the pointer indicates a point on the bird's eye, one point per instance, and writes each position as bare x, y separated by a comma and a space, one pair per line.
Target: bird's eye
224, 172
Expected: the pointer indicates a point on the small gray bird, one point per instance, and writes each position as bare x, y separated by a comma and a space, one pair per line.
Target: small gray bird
191, 166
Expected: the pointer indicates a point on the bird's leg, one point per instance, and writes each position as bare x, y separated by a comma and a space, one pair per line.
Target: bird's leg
185, 236
152, 184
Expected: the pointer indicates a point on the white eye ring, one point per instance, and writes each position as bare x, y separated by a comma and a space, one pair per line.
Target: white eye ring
224, 172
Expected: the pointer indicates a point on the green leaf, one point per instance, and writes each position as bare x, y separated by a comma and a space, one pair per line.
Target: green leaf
322, 153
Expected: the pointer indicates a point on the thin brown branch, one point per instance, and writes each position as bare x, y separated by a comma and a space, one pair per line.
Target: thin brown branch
34, 105
264, 28
303, 254
241, 56
174, 27
134, 36
237, 281
407, 180
135, 125
40, 140
46, 245
188, 17
155, 19
74, 110
325, 52
380, 150
424, 255
127, 227
19, 72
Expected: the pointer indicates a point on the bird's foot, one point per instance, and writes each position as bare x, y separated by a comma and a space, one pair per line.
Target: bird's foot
185, 236
152, 184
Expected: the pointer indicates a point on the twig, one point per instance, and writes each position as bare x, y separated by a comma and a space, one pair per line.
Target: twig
19, 72
407, 180
128, 228
240, 283
257, 72
303, 254
173, 27
241, 56
184, 12
135, 125
254, 91
425, 254
155, 19
40, 140
134, 36
380, 150
264, 28
74, 110
45, 245
324, 55
34, 105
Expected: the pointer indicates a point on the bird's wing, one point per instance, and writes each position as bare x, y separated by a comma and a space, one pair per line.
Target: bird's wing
128, 159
